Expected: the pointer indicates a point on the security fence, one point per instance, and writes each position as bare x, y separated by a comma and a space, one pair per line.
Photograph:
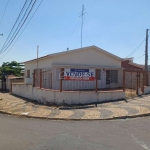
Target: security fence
42, 78
134, 81
79, 78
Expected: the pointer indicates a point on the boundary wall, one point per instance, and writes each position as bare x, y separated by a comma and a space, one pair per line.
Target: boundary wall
65, 97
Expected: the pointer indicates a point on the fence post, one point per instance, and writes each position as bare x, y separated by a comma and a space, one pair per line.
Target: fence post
143, 81
96, 75
61, 74
40, 78
34, 78
123, 80
147, 77
137, 81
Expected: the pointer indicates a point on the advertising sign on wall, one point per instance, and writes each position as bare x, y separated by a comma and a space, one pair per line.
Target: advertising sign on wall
79, 74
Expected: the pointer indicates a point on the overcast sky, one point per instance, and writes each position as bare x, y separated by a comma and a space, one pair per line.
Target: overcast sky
117, 26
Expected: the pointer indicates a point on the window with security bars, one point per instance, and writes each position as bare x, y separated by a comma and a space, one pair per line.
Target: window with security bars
107, 77
114, 76
111, 76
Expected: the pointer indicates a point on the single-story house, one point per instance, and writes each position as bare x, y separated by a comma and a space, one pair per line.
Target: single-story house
128, 63
76, 63
131, 75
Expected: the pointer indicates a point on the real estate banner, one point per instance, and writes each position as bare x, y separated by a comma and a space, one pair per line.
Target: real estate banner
79, 74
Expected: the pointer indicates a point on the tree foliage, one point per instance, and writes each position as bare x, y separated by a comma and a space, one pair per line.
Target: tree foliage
10, 68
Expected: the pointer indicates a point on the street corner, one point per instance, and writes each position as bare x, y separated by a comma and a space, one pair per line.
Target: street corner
106, 111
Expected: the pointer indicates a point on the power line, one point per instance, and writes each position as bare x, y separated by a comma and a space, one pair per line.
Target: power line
139, 57
22, 30
19, 28
4, 12
18, 25
0, 39
15, 22
137, 48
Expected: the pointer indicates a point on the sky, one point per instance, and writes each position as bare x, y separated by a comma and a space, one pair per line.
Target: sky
117, 26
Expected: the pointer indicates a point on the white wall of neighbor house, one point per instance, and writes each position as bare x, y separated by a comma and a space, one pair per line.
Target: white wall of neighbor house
13, 80
87, 57
60, 98
7, 83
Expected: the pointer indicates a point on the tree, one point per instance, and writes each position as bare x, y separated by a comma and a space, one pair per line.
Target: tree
10, 68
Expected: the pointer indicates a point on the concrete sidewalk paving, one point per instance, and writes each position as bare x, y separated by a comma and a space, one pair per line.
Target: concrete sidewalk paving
135, 107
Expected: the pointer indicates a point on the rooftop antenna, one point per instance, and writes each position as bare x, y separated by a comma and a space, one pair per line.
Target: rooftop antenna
82, 15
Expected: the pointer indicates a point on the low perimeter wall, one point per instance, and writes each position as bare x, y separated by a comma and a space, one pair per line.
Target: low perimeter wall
64, 97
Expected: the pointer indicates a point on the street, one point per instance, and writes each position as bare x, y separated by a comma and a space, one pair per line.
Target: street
35, 134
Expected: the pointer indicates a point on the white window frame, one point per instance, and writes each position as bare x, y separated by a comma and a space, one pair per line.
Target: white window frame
27, 73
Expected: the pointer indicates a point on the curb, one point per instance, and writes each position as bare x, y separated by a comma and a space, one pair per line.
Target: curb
73, 119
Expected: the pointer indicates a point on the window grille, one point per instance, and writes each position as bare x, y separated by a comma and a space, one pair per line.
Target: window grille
111, 76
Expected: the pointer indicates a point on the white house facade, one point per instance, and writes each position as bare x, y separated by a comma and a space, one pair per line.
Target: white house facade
92, 58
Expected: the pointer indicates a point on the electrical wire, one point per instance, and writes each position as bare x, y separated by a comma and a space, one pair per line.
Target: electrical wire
1, 39
136, 49
19, 28
15, 23
140, 57
4, 12
22, 30
18, 25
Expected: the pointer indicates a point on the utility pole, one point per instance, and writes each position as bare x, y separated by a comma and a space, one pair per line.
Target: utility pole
146, 57
37, 55
82, 15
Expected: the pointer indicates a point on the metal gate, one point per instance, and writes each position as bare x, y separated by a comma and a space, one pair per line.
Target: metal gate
42, 78
133, 82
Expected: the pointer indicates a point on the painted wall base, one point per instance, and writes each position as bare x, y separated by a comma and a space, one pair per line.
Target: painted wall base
65, 97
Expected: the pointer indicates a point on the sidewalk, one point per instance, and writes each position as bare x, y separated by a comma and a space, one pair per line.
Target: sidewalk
135, 107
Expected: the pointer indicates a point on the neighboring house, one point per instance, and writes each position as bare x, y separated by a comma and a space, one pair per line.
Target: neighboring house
130, 65
131, 77
87, 59
13, 79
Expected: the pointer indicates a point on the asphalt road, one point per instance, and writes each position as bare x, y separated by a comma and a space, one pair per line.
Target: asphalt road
35, 134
